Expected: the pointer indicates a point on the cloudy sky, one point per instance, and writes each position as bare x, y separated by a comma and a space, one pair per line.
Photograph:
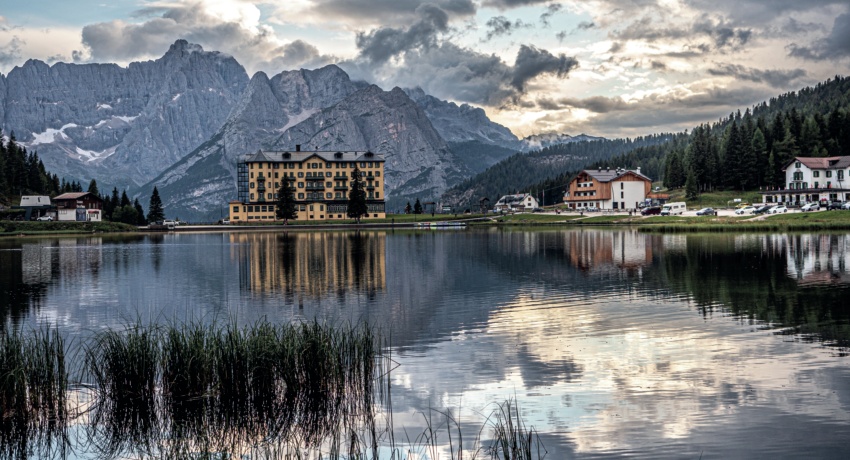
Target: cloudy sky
602, 67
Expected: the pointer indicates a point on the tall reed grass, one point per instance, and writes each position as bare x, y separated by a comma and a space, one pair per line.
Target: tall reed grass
306, 390
33, 394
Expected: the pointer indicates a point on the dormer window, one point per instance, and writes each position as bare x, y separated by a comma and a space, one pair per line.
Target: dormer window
797, 164
287, 155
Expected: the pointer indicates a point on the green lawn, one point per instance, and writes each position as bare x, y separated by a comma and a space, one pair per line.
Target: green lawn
718, 199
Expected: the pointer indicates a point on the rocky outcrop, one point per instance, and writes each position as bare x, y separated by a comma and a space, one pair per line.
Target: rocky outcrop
418, 161
126, 124
463, 123
205, 179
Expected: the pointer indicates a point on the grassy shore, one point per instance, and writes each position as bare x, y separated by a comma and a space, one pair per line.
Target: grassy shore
826, 220
16, 228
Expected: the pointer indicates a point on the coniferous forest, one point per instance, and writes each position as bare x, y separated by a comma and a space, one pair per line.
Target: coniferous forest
23, 173
742, 151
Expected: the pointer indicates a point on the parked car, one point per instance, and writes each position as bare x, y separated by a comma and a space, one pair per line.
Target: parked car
846, 205
224, 222
835, 205
745, 210
763, 209
778, 210
810, 207
707, 212
743, 205
46, 218
537, 210
651, 211
592, 209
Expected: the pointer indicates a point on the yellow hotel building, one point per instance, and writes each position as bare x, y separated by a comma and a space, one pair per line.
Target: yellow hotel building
321, 181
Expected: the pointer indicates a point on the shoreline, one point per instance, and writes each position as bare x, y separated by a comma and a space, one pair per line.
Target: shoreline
818, 221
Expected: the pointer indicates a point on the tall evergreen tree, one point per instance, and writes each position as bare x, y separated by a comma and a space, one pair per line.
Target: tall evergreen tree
760, 155
691, 186
140, 213
357, 196
286, 208
417, 207
93, 188
155, 211
125, 200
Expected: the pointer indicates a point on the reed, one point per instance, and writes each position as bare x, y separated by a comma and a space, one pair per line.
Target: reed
124, 367
512, 440
33, 394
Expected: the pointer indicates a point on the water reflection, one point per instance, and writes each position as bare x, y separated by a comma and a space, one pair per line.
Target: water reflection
313, 265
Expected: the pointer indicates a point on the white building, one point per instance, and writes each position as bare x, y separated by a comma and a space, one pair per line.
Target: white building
608, 189
809, 179
518, 202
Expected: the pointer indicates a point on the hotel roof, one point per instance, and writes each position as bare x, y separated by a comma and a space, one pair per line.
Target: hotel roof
822, 162
278, 156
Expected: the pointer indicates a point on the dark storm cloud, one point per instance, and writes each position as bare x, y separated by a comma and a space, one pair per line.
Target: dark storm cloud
551, 10
835, 46
380, 45
532, 62
11, 52
500, 25
396, 12
508, 4
776, 78
449, 71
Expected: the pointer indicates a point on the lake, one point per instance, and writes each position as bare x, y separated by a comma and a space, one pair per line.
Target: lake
614, 343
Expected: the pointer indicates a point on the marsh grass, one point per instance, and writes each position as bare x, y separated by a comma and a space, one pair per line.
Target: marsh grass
303, 390
33, 394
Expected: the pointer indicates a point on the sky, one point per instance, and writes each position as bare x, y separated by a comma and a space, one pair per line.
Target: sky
610, 68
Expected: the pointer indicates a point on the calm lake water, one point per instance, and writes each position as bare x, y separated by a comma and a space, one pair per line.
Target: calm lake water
614, 343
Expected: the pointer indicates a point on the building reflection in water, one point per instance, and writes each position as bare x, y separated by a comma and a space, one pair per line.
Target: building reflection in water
28, 269
818, 259
314, 265
593, 251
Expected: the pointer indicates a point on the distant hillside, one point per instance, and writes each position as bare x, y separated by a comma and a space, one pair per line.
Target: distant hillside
523, 172
748, 151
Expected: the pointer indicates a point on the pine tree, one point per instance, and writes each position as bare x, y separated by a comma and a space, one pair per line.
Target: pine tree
125, 201
286, 202
155, 210
140, 213
93, 188
417, 207
760, 155
691, 186
357, 197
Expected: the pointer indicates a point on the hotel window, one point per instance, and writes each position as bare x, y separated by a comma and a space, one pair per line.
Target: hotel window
301, 174
329, 195
236, 209
377, 173
377, 194
311, 207
362, 164
301, 197
797, 164
301, 185
252, 174
269, 196
829, 174
840, 174
252, 197
816, 174
621, 186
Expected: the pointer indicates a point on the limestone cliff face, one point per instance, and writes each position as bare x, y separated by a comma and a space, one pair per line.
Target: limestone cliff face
181, 122
127, 124
203, 180
463, 123
418, 161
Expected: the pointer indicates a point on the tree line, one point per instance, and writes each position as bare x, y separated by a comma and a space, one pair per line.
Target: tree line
23, 173
743, 151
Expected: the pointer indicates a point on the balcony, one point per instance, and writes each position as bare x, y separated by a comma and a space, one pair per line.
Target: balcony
315, 178
341, 187
317, 186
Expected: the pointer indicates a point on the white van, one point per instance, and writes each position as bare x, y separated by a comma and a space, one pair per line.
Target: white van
673, 209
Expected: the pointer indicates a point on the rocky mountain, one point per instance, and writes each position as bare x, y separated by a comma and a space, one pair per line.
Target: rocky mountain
197, 186
418, 161
182, 121
541, 141
463, 123
123, 124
